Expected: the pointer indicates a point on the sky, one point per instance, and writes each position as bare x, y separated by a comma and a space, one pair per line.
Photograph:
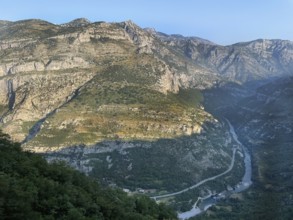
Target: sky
221, 21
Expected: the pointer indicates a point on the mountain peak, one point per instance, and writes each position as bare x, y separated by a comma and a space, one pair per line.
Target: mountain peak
151, 30
129, 24
3, 22
79, 22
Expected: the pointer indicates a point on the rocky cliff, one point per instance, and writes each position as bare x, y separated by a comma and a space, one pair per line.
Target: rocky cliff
242, 62
111, 99
114, 99
44, 65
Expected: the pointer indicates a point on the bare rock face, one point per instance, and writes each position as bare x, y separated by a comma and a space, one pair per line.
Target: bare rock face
141, 38
242, 62
79, 22
46, 69
33, 97
86, 92
169, 81
50, 74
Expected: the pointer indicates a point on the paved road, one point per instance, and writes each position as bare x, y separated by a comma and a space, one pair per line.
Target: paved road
243, 185
201, 182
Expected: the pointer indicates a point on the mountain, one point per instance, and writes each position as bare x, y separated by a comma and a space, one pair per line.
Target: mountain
266, 119
242, 62
44, 66
112, 100
79, 22
264, 123
126, 104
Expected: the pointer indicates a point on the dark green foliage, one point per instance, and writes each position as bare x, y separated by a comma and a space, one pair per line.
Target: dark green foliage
32, 189
256, 204
264, 123
190, 97
160, 166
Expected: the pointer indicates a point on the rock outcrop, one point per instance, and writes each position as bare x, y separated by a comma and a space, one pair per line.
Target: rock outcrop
43, 65
243, 62
117, 101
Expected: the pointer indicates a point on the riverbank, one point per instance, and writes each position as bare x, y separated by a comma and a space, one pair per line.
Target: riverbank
201, 182
202, 204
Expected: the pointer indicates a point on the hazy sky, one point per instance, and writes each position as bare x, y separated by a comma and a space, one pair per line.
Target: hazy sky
221, 21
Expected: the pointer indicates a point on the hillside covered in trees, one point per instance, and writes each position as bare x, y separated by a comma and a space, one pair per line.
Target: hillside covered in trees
30, 188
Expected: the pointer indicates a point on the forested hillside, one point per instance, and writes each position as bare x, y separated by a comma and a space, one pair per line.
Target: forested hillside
30, 188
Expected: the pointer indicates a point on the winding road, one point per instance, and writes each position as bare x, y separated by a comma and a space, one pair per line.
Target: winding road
241, 186
201, 182
234, 136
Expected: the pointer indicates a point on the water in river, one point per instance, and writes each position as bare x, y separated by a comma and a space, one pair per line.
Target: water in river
209, 201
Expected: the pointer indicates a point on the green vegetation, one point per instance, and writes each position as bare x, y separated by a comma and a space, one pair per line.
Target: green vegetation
254, 204
32, 189
185, 201
27, 125
166, 165
270, 196
190, 97
3, 109
28, 29
120, 102
264, 124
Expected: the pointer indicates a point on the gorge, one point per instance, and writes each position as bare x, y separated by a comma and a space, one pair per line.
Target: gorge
145, 111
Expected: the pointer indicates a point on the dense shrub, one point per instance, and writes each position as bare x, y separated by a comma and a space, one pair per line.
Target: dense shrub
32, 189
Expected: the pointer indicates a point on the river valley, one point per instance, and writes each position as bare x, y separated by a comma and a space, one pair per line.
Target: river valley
202, 204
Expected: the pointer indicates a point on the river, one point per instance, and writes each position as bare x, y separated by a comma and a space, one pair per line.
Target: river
211, 200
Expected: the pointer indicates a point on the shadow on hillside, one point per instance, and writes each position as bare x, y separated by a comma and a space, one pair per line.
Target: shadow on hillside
168, 164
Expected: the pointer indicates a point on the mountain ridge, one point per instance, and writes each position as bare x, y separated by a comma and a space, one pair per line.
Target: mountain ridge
113, 86
74, 67
126, 104
169, 62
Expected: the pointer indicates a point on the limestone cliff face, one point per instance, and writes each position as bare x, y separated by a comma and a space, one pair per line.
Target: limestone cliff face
119, 88
242, 62
53, 73
42, 66
145, 41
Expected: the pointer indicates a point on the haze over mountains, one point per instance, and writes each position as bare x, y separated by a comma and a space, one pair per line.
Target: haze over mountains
113, 99
68, 57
